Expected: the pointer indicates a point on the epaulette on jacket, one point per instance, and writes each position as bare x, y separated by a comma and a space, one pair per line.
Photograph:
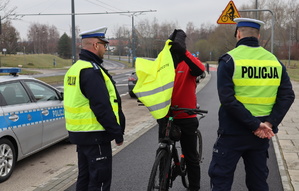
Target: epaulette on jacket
95, 66
226, 58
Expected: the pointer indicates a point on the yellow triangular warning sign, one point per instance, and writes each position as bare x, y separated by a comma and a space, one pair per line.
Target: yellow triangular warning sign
228, 14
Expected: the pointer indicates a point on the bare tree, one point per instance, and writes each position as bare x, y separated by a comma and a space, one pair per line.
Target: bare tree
9, 38
122, 35
9, 35
44, 38
53, 39
8, 12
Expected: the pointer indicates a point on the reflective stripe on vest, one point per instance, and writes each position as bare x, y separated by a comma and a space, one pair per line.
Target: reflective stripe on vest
256, 79
155, 82
158, 106
78, 115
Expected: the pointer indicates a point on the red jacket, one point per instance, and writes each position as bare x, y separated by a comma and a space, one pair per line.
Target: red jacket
184, 90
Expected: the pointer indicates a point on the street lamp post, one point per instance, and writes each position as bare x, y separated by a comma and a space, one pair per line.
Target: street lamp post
73, 34
133, 42
290, 44
256, 7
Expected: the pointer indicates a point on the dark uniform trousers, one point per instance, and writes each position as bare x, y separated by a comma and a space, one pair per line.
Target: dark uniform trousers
95, 167
227, 151
189, 143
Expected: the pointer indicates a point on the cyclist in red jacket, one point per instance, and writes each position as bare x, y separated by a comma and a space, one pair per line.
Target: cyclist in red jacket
187, 68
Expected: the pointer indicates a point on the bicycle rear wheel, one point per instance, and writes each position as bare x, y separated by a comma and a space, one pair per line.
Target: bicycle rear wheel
159, 178
183, 162
199, 146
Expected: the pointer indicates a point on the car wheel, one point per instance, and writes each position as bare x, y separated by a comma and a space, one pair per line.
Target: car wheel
7, 159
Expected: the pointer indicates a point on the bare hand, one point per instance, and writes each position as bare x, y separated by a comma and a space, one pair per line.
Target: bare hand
264, 131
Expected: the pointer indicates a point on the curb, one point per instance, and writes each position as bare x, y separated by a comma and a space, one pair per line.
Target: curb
285, 177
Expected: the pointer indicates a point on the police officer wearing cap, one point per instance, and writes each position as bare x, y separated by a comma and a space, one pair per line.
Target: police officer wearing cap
255, 93
93, 113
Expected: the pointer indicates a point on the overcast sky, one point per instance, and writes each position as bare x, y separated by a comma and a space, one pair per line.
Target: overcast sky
178, 11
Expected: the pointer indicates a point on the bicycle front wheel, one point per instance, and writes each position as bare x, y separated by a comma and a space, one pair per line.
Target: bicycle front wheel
183, 162
159, 177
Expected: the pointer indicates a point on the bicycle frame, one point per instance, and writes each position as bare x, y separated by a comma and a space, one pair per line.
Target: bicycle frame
171, 171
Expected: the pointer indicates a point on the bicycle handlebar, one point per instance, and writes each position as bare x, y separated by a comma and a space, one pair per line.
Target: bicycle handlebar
189, 110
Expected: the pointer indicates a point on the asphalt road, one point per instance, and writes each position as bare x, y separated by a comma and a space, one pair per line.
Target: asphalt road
132, 165
117, 69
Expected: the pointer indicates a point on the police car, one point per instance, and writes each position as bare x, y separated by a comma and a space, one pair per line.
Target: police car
31, 118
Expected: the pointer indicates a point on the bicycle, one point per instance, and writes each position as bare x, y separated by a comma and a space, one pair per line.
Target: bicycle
168, 164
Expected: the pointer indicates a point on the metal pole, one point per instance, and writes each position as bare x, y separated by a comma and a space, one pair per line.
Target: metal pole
256, 7
73, 34
290, 43
133, 42
108, 49
272, 26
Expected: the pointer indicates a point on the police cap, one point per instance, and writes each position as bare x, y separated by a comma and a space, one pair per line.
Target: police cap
248, 22
95, 33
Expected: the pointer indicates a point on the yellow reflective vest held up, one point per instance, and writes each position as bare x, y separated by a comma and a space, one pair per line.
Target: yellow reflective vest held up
78, 115
155, 82
256, 78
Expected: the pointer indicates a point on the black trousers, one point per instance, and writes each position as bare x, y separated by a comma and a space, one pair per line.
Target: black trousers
189, 143
95, 167
227, 151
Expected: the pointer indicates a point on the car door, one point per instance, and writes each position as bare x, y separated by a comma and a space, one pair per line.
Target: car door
51, 104
22, 116
3, 123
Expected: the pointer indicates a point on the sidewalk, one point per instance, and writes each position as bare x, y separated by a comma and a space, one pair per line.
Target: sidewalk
286, 146
286, 143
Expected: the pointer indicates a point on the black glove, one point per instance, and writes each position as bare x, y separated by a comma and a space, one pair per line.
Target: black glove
177, 49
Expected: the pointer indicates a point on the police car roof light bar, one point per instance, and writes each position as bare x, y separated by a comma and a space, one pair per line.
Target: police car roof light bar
11, 71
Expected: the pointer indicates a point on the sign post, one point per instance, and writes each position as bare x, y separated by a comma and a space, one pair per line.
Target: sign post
228, 14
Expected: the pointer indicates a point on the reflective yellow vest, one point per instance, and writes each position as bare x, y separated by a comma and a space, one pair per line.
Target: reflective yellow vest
155, 82
78, 115
256, 78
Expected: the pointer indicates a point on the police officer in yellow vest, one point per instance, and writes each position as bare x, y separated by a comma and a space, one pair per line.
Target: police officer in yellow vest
93, 113
255, 93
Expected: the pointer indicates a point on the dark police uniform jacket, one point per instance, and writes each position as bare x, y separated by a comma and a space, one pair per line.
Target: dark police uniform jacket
234, 118
93, 88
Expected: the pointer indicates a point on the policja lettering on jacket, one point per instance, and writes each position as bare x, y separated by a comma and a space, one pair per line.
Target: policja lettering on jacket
259, 72
71, 80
